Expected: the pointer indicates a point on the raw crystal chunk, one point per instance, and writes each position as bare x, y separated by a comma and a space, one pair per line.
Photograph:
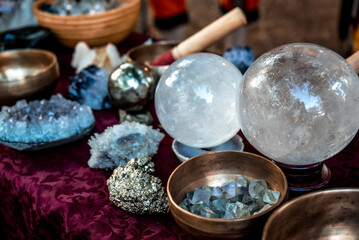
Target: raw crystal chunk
242, 210
242, 182
122, 142
201, 195
264, 208
271, 196
229, 190
236, 198
231, 209
217, 193
257, 188
197, 207
254, 207
247, 199
185, 204
206, 212
38, 122
219, 206
134, 189
189, 195
90, 87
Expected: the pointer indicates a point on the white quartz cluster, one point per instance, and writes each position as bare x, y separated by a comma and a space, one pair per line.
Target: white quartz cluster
120, 143
44, 121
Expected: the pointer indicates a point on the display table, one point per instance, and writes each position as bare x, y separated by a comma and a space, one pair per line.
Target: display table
53, 194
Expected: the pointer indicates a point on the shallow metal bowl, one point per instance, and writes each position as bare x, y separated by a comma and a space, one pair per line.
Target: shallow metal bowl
145, 54
27, 74
216, 169
327, 214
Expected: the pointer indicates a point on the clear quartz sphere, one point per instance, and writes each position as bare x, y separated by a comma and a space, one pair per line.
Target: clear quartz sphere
196, 100
299, 104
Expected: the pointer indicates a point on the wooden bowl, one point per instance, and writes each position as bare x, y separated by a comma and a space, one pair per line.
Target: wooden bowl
111, 26
326, 214
27, 74
216, 169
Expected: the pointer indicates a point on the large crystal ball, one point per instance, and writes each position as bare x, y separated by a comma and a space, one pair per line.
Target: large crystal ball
196, 100
299, 104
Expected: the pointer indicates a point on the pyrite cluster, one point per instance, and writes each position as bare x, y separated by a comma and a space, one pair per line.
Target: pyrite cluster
134, 189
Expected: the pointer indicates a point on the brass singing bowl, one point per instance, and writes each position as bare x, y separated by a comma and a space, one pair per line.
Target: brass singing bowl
27, 74
145, 54
217, 169
328, 214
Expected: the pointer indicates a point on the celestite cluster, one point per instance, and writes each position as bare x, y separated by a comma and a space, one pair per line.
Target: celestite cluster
120, 143
44, 121
240, 198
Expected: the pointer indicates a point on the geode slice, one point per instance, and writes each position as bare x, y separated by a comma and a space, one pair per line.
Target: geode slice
120, 143
134, 189
46, 123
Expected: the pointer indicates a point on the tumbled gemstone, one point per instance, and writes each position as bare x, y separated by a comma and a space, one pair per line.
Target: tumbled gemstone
257, 188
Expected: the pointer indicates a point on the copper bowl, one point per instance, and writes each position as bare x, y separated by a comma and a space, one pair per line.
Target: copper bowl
145, 54
27, 74
328, 214
216, 169
111, 26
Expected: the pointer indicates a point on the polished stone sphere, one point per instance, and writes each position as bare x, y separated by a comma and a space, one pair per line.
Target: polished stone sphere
299, 104
196, 100
132, 86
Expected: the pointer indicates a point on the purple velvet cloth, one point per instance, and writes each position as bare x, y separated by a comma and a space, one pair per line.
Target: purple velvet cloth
53, 194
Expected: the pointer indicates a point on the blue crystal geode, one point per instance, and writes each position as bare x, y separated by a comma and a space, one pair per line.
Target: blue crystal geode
89, 87
41, 124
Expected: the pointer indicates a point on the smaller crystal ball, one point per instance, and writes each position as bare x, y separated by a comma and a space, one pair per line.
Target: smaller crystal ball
132, 86
196, 100
299, 104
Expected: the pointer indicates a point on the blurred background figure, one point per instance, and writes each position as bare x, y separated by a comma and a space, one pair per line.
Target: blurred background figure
348, 26
170, 18
250, 9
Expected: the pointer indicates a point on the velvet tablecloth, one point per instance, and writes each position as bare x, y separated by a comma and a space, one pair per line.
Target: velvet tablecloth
53, 194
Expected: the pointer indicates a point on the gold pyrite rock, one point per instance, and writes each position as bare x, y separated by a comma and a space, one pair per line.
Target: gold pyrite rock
134, 189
